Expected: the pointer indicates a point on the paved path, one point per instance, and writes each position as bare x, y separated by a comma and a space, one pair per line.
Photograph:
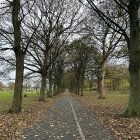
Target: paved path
67, 120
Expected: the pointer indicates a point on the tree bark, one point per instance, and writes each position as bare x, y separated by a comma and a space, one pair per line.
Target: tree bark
17, 98
101, 84
134, 60
55, 88
78, 86
82, 82
19, 54
91, 84
81, 87
42, 95
55, 81
50, 84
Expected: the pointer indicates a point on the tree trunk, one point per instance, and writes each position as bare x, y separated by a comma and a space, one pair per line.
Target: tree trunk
19, 54
81, 87
98, 88
58, 86
42, 95
134, 61
101, 84
78, 87
72, 86
82, 82
90, 85
17, 98
50, 84
55, 88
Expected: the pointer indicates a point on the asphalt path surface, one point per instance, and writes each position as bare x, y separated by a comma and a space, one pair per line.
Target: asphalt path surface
68, 120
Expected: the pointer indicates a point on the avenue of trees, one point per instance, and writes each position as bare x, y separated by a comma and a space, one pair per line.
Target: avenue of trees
64, 43
35, 32
123, 18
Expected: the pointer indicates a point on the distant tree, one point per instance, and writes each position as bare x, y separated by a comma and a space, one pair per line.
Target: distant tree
58, 21
90, 76
106, 41
117, 73
69, 80
2, 86
36, 85
80, 55
59, 75
11, 86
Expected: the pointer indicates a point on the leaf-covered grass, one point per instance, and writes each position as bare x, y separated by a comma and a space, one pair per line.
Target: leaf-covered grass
12, 125
109, 112
112, 97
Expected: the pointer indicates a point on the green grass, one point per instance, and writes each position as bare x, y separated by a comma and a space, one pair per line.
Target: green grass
7, 96
6, 99
31, 94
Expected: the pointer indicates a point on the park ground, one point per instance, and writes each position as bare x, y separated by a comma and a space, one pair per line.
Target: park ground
108, 113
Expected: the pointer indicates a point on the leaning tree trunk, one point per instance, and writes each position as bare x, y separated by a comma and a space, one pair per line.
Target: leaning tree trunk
17, 98
134, 61
101, 84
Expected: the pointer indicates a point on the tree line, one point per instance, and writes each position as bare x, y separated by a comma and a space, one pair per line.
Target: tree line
48, 38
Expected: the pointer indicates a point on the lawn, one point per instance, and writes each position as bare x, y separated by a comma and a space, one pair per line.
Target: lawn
6, 99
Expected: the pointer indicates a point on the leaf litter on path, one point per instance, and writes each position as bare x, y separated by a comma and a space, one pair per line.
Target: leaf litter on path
110, 116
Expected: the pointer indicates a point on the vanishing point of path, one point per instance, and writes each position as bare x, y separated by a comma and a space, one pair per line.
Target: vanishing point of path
67, 120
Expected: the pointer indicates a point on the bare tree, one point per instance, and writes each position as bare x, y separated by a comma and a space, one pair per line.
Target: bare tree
12, 34
80, 54
115, 18
59, 19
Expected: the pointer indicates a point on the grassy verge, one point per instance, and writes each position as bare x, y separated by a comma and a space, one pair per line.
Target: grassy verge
6, 99
109, 111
